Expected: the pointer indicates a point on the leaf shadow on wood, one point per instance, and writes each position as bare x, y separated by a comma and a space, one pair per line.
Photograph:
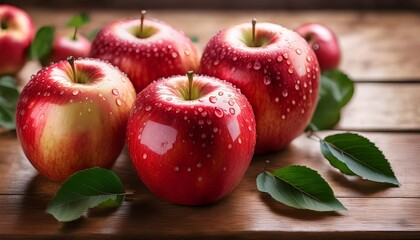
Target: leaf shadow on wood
300, 214
357, 184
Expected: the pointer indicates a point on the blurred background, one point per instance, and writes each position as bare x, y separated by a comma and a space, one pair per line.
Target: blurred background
413, 5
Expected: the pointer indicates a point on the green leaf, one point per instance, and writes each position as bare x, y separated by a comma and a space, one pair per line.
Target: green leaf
339, 85
93, 34
354, 154
8, 100
299, 187
78, 20
86, 189
41, 46
194, 39
335, 92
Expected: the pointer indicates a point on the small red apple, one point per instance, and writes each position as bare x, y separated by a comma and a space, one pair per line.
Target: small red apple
17, 31
72, 115
275, 69
324, 42
191, 141
64, 46
145, 49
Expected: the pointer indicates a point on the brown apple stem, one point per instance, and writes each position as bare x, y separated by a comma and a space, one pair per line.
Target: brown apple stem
190, 75
142, 14
72, 63
254, 22
74, 34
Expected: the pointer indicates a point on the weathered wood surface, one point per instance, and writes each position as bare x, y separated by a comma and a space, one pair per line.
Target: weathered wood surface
379, 52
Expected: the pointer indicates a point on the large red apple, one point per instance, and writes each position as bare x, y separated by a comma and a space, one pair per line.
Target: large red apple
72, 115
191, 145
16, 34
275, 69
64, 46
324, 42
145, 49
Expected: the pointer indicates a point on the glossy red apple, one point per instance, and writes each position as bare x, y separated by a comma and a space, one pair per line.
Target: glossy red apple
145, 49
324, 42
64, 46
16, 34
276, 70
72, 115
191, 145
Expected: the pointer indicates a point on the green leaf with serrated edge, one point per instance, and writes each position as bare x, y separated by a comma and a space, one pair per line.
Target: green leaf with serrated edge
340, 85
41, 46
78, 20
8, 100
93, 34
299, 187
86, 189
355, 154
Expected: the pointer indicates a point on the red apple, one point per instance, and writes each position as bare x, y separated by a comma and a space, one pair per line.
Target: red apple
17, 31
146, 50
276, 70
324, 42
72, 115
64, 46
191, 143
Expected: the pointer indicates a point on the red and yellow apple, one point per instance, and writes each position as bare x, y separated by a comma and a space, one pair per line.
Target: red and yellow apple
191, 141
275, 69
72, 115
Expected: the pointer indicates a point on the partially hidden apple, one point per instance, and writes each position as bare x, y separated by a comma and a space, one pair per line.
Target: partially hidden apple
275, 69
324, 42
191, 141
72, 115
145, 49
17, 31
75, 45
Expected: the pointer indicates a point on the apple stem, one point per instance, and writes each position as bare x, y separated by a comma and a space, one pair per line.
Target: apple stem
142, 14
254, 22
3, 24
72, 63
190, 75
74, 34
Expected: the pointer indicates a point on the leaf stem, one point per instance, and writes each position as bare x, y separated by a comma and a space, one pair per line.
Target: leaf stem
190, 75
254, 22
72, 63
142, 15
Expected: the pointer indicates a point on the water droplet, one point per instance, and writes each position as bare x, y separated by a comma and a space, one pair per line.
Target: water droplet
218, 112
200, 122
279, 59
231, 102
215, 129
224, 169
115, 92
239, 140
220, 93
213, 99
169, 99
187, 52
119, 102
200, 109
176, 169
200, 179
174, 54
267, 80
89, 110
290, 70
204, 114
209, 155
232, 111
293, 102
284, 93
203, 135
299, 51
189, 169
229, 146
249, 128
216, 62
144, 155
276, 99
315, 46
249, 65
199, 165
296, 87
75, 92
304, 97
283, 116
234, 58
25, 127
302, 111
308, 58
257, 65
61, 92
286, 55
148, 108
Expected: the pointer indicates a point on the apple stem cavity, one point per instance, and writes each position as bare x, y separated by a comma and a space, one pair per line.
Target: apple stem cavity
254, 22
72, 63
190, 75
142, 15
3, 25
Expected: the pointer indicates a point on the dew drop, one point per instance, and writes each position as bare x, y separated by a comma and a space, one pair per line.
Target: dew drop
284, 93
296, 87
199, 165
200, 179
144, 155
290, 70
302, 111
231, 102
234, 58
239, 140
257, 65
286, 55
220, 93
229, 146
299, 51
213, 99
148, 108
249, 128
293, 102
215, 129
216, 62
115, 92
279, 59
203, 135
276, 99
75, 92
308, 58
119, 102
200, 122
267, 80
169, 99
176, 169
224, 169
218, 112
189, 169
209, 155
187, 52
25, 127
315, 46
283, 116
174, 54
232, 111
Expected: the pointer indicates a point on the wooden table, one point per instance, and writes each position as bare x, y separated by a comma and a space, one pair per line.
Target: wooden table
380, 52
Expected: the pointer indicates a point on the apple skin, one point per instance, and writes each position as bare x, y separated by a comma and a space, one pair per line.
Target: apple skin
324, 42
165, 53
191, 152
280, 78
64, 126
16, 34
65, 46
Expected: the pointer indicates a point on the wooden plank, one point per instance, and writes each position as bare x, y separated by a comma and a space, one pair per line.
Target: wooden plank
19, 177
246, 216
377, 46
